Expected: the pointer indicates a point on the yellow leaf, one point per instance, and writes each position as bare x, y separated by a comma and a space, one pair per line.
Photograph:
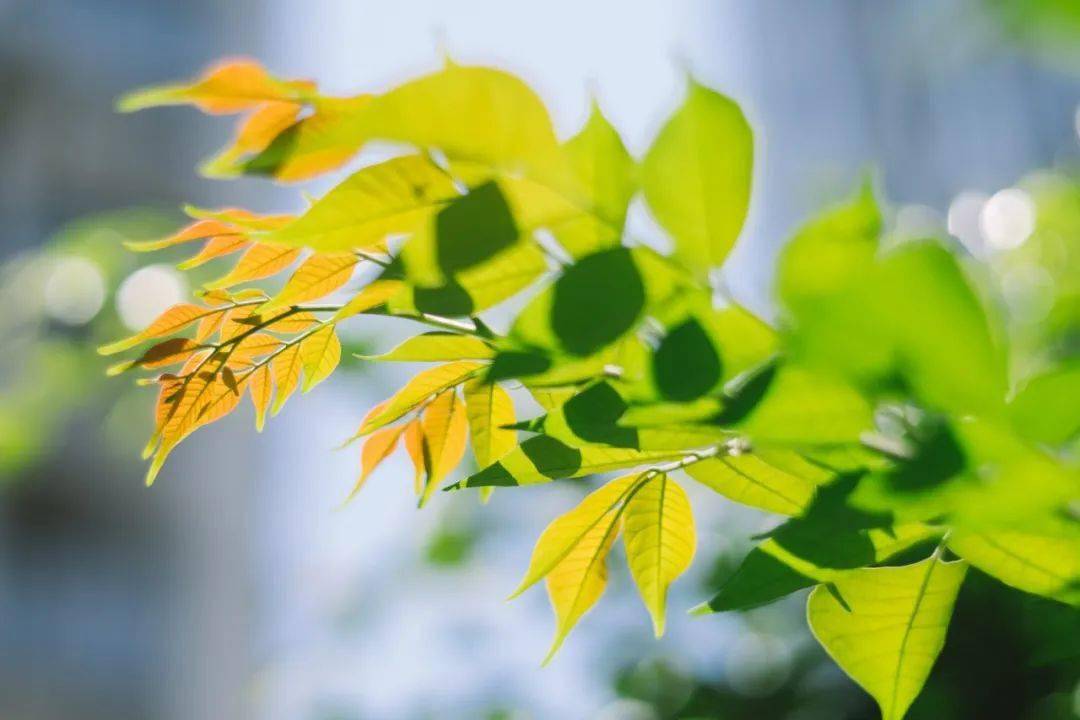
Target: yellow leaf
578, 580
293, 322
287, 367
317, 277
414, 445
444, 431
172, 320
377, 448
658, 528
890, 637
489, 409
167, 352
422, 386
262, 389
253, 347
778, 481
567, 531
215, 247
258, 262
320, 353
240, 218
373, 295
438, 347
390, 198
228, 87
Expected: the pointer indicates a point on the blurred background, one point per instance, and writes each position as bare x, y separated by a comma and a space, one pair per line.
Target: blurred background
237, 588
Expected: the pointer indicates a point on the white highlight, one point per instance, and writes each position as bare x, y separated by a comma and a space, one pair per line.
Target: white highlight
148, 292
74, 290
1007, 219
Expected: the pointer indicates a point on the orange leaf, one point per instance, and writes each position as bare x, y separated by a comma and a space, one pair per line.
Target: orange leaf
376, 448
258, 262
262, 389
215, 247
228, 87
253, 135
198, 230
167, 352
172, 320
414, 444
318, 276
241, 218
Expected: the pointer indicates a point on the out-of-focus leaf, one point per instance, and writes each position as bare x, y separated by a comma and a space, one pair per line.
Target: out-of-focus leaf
1040, 411
608, 177
894, 625
697, 177
1047, 565
658, 530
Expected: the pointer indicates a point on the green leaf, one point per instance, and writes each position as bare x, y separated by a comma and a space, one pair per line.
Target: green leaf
697, 177
393, 197
1047, 565
893, 629
608, 176
542, 459
779, 481
490, 410
658, 530
595, 302
1037, 410
437, 347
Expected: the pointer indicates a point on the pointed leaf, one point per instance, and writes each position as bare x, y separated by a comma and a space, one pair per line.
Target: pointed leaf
895, 628
320, 354
258, 262
658, 531
444, 431
317, 277
372, 296
172, 320
379, 446
262, 390
422, 386
778, 481
437, 347
287, 367
697, 177
1046, 565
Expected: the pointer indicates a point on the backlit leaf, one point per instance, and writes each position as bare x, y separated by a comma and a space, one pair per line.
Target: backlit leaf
438, 346
258, 262
658, 530
697, 176
317, 277
215, 247
262, 390
778, 481
1046, 565
371, 296
445, 432
253, 135
890, 637
422, 386
489, 410
172, 320
320, 354
198, 230
379, 446
414, 445
287, 368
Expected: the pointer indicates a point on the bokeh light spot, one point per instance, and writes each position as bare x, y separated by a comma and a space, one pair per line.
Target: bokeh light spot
74, 290
148, 292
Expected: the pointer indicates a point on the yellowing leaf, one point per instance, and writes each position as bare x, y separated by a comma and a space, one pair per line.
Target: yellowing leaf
287, 367
568, 530
414, 445
776, 481
241, 218
255, 133
172, 320
697, 175
390, 198
258, 262
320, 354
376, 448
262, 390
216, 247
373, 295
489, 409
167, 352
318, 143
658, 528
317, 277
229, 87
578, 580
198, 230
438, 346
895, 628
444, 439
422, 386
1046, 565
